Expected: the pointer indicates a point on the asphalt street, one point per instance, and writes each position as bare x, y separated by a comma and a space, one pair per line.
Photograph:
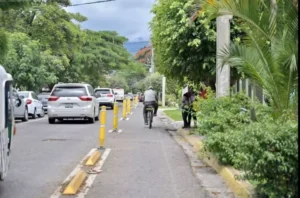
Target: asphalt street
142, 163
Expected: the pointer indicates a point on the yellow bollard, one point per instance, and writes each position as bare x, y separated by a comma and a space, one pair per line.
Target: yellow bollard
116, 111
124, 112
102, 126
128, 106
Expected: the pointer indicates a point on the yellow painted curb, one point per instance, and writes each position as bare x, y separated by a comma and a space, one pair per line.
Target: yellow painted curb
75, 183
241, 189
93, 158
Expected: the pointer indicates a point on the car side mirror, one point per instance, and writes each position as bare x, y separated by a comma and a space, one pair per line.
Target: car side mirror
18, 102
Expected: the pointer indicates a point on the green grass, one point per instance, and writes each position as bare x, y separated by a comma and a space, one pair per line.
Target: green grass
174, 114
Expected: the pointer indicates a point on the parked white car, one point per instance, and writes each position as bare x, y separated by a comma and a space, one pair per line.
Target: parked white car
72, 100
20, 110
105, 97
35, 106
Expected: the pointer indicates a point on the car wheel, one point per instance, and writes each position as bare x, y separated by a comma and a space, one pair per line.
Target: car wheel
34, 115
112, 107
25, 118
92, 119
51, 120
97, 117
42, 114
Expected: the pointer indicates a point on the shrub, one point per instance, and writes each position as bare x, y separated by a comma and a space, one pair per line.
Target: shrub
171, 100
222, 114
266, 151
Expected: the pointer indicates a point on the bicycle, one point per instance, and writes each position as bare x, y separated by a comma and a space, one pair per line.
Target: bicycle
149, 113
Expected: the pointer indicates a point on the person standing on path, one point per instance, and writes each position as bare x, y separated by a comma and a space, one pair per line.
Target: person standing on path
185, 106
193, 108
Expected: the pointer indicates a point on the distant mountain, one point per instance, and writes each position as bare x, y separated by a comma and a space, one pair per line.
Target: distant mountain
134, 47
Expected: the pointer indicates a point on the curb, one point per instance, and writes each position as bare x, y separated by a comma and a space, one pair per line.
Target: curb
75, 183
93, 158
241, 189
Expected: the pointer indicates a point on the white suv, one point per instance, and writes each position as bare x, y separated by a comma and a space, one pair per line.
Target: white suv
105, 96
72, 100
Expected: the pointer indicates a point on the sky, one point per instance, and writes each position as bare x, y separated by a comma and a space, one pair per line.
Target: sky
130, 18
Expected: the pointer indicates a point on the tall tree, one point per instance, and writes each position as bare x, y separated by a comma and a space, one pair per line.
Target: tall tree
184, 48
269, 53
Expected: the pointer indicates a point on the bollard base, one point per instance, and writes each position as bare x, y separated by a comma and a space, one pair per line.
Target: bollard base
101, 148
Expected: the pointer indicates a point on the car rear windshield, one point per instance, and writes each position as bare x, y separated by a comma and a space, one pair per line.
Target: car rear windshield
24, 94
43, 96
102, 91
69, 91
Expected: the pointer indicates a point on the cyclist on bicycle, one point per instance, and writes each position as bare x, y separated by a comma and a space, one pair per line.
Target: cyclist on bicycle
150, 99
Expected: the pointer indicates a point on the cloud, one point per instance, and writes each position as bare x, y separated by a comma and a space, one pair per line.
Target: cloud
130, 18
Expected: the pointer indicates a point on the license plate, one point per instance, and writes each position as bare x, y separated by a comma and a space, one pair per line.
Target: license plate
69, 105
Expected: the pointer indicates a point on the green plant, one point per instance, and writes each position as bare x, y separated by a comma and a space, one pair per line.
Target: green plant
268, 55
171, 100
266, 151
222, 114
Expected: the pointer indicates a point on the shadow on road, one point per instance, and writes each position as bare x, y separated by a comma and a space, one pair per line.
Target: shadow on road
72, 121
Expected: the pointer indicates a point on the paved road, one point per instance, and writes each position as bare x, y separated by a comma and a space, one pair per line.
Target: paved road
142, 163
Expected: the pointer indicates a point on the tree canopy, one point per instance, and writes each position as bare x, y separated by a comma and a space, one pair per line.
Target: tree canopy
42, 44
184, 48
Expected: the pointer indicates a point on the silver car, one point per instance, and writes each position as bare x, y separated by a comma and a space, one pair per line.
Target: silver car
20, 108
43, 97
105, 97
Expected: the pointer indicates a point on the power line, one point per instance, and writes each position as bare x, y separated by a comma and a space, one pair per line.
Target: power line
93, 2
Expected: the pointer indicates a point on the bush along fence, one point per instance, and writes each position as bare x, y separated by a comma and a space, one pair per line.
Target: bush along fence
263, 147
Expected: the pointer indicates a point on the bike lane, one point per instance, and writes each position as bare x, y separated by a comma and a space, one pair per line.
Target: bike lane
145, 163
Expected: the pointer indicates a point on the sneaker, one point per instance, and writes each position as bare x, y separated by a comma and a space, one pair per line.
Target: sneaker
146, 123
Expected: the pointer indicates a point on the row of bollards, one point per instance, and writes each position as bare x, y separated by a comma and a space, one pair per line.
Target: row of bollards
125, 113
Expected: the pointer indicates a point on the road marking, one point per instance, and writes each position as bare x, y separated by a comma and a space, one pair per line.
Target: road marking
91, 177
119, 131
57, 192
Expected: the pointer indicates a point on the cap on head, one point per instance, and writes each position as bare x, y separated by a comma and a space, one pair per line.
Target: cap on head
150, 87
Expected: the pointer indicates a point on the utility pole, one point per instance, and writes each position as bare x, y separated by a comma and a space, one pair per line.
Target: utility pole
223, 40
164, 91
152, 69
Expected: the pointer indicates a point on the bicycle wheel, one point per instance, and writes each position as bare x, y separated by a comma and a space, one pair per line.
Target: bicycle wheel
150, 118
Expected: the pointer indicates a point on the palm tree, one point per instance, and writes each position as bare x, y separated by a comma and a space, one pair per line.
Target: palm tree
268, 55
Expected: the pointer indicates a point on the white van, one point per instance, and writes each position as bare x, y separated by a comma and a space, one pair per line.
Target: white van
7, 121
119, 94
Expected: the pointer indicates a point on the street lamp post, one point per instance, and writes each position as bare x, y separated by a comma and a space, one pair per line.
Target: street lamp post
164, 91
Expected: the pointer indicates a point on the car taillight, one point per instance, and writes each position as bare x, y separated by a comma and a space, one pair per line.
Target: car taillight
109, 95
28, 101
53, 98
85, 98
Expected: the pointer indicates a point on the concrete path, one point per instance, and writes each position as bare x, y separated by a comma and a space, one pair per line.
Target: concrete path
145, 163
